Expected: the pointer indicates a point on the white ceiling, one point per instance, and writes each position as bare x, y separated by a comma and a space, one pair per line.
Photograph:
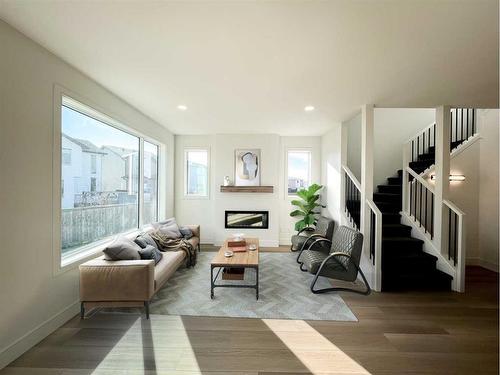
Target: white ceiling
251, 67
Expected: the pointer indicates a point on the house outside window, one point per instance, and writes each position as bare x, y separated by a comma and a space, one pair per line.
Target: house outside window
196, 173
298, 170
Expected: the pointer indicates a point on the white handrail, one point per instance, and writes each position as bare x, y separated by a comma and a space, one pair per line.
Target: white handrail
374, 207
378, 243
453, 207
420, 179
352, 177
420, 132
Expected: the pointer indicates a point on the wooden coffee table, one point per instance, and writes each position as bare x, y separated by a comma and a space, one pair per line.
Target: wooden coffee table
246, 259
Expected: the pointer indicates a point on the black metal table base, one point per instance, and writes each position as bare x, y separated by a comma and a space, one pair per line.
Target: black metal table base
213, 285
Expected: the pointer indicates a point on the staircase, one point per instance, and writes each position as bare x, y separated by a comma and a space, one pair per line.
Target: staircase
426, 160
404, 263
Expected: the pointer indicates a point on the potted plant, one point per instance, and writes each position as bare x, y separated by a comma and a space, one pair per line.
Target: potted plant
307, 207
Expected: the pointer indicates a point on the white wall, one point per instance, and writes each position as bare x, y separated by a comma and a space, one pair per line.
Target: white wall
209, 213
331, 169
488, 122
35, 299
353, 127
392, 128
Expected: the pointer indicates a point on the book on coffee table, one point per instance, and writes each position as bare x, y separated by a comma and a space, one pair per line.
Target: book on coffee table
232, 243
239, 249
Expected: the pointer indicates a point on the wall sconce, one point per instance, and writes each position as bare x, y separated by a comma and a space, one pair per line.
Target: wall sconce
453, 177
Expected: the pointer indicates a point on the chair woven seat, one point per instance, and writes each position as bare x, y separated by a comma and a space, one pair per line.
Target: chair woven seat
312, 259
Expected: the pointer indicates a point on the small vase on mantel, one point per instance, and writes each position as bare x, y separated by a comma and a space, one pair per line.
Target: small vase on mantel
227, 181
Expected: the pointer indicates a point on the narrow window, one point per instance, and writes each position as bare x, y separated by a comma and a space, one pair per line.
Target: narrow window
196, 173
299, 170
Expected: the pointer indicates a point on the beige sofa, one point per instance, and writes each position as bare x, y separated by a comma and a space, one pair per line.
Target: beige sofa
128, 283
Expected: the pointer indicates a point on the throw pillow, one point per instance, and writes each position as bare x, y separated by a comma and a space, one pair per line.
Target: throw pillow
122, 249
150, 252
186, 232
170, 230
144, 239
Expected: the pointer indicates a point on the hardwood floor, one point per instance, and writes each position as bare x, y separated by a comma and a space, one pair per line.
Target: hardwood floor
397, 333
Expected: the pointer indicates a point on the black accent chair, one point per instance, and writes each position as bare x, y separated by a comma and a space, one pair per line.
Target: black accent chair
340, 261
323, 229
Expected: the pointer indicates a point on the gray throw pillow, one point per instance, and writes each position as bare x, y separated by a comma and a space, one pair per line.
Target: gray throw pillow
144, 239
150, 252
170, 230
186, 232
122, 249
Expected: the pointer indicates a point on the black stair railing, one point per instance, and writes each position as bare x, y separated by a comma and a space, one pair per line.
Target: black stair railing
424, 144
421, 202
352, 202
452, 235
463, 125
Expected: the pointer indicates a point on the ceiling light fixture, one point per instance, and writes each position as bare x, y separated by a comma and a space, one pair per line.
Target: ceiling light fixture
308, 108
182, 107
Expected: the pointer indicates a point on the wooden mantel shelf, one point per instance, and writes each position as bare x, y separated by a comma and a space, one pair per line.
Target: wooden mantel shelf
247, 189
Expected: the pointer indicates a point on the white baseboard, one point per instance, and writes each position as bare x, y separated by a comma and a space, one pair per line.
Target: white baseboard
37, 334
474, 261
285, 238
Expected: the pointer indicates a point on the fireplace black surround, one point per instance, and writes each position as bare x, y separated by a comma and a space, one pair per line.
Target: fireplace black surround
246, 220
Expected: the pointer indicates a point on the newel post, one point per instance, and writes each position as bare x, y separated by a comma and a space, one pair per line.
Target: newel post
367, 124
442, 170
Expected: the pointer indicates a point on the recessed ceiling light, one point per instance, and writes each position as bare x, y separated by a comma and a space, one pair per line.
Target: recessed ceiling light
308, 108
182, 107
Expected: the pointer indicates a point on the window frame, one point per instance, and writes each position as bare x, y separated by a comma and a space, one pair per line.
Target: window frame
159, 175
64, 97
297, 149
185, 173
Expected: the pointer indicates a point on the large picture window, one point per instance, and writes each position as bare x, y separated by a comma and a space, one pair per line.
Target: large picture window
100, 172
299, 170
196, 173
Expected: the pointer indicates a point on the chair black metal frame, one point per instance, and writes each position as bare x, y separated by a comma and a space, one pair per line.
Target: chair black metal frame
332, 256
326, 290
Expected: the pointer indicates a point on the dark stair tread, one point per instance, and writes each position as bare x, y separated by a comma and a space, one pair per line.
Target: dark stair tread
388, 196
394, 180
394, 189
396, 230
435, 280
389, 206
402, 239
407, 261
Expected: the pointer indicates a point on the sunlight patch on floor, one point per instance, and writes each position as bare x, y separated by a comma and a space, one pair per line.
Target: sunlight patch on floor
316, 353
156, 346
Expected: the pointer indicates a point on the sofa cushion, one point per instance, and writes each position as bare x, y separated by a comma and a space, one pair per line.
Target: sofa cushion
166, 267
151, 252
122, 248
145, 239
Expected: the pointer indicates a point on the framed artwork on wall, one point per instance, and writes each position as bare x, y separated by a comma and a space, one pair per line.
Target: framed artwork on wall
247, 167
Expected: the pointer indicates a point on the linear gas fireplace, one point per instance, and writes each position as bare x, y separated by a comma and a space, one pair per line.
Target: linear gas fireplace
247, 219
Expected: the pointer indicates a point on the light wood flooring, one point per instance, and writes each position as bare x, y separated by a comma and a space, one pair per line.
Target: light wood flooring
397, 333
